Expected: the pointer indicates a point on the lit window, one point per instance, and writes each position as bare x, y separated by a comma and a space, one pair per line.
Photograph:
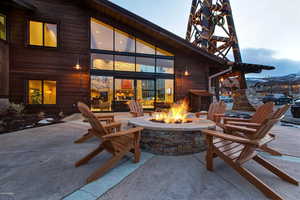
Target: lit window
2, 27
165, 66
124, 63
49, 92
101, 93
124, 42
101, 35
165, 90
42, 34
102, 61
35, 92
41, 92
145, 64
144, 47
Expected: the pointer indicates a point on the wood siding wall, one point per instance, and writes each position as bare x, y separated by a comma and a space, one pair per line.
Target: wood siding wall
4, 69
51, 64
28, 63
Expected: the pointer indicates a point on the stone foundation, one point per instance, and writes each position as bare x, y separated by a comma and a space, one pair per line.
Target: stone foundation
172, 142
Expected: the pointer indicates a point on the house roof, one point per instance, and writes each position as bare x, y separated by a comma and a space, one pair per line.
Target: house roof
145, 26
19, 4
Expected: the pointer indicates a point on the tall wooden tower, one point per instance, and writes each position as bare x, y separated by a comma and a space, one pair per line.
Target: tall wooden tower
211, 27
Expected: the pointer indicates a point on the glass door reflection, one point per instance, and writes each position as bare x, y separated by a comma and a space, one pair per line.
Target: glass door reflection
124, 91
145, 93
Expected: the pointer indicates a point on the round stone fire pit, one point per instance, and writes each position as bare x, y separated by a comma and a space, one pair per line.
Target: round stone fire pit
172, 139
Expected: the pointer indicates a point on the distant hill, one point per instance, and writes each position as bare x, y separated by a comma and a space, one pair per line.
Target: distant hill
291, 78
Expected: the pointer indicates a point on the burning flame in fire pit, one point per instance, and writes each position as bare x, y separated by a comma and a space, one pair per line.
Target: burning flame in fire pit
177, 114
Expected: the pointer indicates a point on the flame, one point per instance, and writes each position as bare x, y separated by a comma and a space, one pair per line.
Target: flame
177, 113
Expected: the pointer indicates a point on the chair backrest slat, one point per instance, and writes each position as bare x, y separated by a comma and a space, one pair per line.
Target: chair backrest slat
262, 132
262, 112
136, 107
216, 108
98, 129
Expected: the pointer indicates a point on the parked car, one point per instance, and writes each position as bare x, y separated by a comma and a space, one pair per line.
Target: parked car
269, 98
278, 99
295, 108
226, 99
283, 100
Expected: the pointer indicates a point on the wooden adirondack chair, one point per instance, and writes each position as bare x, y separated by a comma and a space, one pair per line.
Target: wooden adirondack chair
215, 111
136, 109
114, 141
262, 113
107, 118
236, 150
239, 128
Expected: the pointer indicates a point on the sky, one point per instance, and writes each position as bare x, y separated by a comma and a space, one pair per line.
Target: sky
268, 30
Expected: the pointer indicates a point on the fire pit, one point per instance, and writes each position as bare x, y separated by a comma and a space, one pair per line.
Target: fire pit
172, 138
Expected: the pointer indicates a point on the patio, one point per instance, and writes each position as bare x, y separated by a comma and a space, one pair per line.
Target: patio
39, 164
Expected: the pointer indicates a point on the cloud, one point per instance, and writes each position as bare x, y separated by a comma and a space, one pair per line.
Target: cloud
266, 57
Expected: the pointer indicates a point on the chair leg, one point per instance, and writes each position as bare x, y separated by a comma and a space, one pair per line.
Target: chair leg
281, 174
105, 167
84, 138
137, 149
269, 192
89, 156
210, 153
271, 151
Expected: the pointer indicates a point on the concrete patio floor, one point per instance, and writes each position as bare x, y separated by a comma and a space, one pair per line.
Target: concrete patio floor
38, 163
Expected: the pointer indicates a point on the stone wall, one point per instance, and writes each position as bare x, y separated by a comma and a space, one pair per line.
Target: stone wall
172, 142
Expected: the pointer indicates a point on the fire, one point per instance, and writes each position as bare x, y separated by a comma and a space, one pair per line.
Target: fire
177, 113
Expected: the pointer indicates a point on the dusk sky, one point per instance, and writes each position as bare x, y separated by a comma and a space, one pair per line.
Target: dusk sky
268, 30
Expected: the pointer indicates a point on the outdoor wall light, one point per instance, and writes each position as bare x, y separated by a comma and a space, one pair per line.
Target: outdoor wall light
77, 66
186, 72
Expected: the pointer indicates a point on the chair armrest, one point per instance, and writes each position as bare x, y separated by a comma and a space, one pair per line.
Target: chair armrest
113, 125
123, 133
105, 116
242, 129
232, 138
247, 124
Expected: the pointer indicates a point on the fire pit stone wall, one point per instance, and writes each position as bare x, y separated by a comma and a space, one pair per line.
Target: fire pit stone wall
172, 139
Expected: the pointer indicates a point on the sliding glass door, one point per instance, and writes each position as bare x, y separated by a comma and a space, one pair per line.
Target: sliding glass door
146, 93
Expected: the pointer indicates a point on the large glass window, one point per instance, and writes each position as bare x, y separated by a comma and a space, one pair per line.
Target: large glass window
102, 61
124, 63
42, 34
2, 27
165, 91
145, 64
41, 92
101, 93
101, 35
165, 66
124, 42
144, 47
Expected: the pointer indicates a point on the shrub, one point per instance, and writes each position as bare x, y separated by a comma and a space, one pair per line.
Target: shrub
18, 108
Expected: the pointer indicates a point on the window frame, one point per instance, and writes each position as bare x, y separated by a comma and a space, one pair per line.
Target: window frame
43, 21
42, 95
